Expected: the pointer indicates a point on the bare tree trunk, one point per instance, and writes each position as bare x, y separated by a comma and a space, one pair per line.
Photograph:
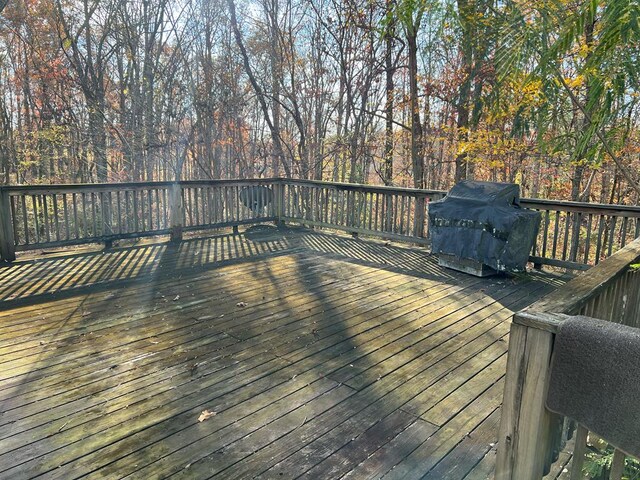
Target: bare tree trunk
276, 75
275, 134
462, 105
417, 141
387, 171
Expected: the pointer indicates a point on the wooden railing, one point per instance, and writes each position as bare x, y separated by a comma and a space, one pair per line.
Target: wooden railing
44, 216
572, 234
578, 234
530, 436
387, 212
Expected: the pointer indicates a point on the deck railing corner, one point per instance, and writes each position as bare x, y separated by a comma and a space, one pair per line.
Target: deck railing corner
530, 436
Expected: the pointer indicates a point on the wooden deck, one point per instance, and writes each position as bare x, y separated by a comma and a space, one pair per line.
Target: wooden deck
316, 355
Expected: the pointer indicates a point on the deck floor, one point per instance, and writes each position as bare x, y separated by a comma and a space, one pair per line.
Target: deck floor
313, 354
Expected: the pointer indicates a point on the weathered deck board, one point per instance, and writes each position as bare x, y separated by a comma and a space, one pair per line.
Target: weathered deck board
321, 356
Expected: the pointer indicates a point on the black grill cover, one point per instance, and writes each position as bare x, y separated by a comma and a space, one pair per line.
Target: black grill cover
483, 221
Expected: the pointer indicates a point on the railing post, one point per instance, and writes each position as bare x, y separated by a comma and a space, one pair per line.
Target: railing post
525, 425
176, 211
419, 216
7, 240
278, 191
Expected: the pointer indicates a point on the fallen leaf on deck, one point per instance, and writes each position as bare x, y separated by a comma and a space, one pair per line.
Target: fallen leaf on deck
241, 304
205, 415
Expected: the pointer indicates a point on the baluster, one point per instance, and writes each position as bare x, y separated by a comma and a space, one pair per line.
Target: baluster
25, 218
45, 211
110, 212
94, 214
56, 222
225, 204
205, 205
587, 243
375, 222
184, 193
134, 207
617, 465
158, 215
384, 219
369, 200
555, 234
13, 201
215, 194
623, 236
189, 193
401, 225
349, 208
143, 215
324, 205
166, 206
35, 218
150, 208
334, 206
599, 244
194, 191
119, 211
343, 208
236, 199
127, 212
565, 240
314, 203
611, 235
409, 202
181, 202
575, 237
395, 213
103, 215
578, 453
545, 234
76, 224
66, 216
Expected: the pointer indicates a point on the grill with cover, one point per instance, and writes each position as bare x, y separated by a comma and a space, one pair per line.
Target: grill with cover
480, 228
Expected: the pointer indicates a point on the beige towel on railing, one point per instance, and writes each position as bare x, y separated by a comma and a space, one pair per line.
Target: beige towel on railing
595, 379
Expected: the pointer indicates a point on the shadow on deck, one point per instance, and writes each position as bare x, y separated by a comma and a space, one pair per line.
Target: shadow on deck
314, 354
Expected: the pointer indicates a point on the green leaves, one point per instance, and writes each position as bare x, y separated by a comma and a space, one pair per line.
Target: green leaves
586, 57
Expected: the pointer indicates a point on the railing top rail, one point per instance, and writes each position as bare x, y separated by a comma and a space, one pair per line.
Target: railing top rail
369, 188
577, 292
16, 189
44, 188
584, 207
235, 181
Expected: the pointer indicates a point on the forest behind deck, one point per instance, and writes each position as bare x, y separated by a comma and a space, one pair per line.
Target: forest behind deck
271, 354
